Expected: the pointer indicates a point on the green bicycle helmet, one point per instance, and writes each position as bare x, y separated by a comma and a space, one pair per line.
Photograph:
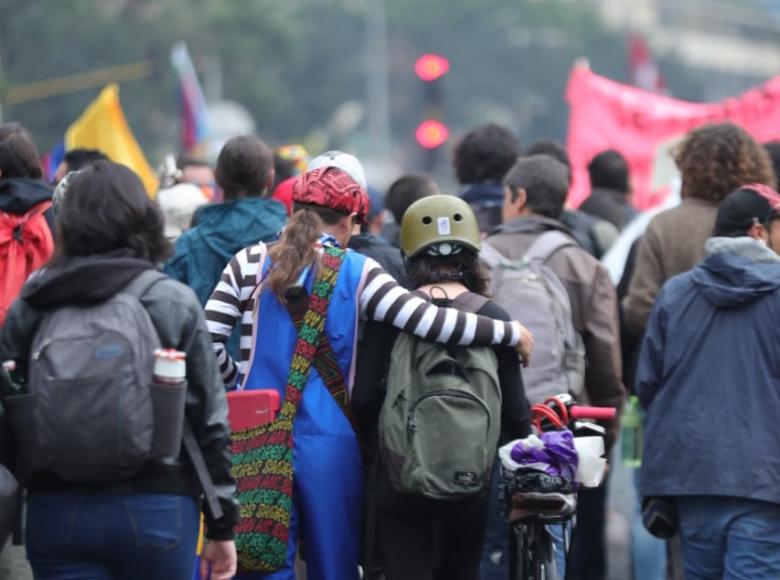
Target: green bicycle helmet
440, 224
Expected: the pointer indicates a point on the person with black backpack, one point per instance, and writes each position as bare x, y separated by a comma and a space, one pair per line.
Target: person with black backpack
116, 451
430, 416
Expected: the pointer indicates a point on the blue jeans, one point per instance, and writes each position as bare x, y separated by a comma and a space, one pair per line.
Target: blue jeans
729, 538
92, 536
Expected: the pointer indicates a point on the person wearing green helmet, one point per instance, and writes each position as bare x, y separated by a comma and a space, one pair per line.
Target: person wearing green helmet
420, 537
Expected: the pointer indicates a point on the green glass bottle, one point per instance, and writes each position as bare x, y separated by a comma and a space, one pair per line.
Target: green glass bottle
631, 433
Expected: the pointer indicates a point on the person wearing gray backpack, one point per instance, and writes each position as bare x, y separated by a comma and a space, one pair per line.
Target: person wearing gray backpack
116, 454
430, 416
565, 296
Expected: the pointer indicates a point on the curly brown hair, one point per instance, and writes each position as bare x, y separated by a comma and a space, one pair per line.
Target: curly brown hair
716, 159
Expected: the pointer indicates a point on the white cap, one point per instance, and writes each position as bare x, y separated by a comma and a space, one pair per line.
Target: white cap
344, 161
178, 204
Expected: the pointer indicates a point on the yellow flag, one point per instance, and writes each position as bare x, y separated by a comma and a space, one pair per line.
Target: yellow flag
103, 126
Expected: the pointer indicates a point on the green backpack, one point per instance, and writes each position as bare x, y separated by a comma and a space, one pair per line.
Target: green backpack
441, 417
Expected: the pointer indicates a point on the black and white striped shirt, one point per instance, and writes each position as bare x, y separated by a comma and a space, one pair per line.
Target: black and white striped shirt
380, 298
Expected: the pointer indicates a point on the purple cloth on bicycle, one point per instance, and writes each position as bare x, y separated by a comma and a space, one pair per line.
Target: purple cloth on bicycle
558, 455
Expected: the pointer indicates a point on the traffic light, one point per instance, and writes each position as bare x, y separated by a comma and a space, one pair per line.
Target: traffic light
430, 67
432, 133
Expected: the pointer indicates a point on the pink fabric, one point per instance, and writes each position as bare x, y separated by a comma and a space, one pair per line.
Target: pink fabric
608, 115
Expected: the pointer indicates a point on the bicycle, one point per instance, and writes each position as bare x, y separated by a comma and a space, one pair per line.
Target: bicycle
536, 500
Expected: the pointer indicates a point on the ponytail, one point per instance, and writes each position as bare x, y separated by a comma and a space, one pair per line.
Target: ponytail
294, 251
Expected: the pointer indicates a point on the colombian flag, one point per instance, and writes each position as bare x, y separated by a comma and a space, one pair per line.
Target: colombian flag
103, 126
194, 111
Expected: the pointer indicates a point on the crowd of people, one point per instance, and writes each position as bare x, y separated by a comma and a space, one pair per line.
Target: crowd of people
295, 276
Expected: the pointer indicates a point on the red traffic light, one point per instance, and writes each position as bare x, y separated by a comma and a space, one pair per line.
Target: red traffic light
430, 67
432, 134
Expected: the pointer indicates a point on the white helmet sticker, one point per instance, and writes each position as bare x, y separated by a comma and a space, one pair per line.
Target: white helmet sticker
443, 226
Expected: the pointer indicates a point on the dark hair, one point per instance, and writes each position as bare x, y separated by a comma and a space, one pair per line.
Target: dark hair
18, 155
243, 168
485, 154
283, 169
464, 267
714, 160
295, 249
609, 170
406, 190
552, 148
773, 150
107, 209
79, 158
545, 181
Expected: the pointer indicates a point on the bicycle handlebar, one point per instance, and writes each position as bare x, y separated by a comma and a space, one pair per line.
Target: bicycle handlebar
594, 413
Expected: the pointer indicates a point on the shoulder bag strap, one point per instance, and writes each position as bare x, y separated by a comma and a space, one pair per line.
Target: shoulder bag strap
311, 329
325, 361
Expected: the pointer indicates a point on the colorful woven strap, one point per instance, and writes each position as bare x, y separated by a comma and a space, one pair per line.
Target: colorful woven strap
325, 361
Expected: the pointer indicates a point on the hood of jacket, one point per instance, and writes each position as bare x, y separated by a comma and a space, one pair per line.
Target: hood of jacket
83, 280
485, 194
228, 227
19, 195
737, 271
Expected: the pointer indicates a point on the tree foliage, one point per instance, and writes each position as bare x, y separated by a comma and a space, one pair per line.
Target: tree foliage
293, 63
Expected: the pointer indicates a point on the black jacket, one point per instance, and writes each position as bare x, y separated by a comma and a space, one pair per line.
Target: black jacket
178, 318
20, 195
389, 257
610, 205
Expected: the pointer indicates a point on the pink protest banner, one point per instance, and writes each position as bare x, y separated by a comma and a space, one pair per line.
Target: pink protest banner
608, 115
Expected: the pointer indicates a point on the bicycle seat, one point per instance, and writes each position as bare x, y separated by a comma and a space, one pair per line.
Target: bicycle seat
546, 507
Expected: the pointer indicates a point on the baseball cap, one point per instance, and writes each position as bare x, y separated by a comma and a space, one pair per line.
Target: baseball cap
741, 209
344, 161
333, 188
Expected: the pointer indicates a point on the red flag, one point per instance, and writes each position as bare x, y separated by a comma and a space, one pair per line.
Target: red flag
609, 115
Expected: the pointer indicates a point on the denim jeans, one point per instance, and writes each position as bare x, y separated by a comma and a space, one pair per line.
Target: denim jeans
729, 538
92, 536
495, 557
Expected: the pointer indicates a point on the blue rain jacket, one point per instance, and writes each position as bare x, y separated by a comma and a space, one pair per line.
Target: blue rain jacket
223, 230
709, 375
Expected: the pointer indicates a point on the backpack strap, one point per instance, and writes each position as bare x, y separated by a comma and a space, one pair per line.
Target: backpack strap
143, 282
470, 302
202, 471
547, 244
490, 255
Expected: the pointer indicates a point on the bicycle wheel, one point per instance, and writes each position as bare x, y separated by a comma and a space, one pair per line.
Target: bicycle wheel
544, 556
531, 553
519, 557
